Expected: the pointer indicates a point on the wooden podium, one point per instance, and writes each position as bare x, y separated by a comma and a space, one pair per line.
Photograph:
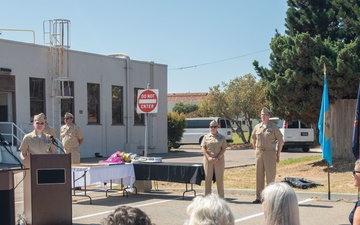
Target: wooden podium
7, 201
47, 189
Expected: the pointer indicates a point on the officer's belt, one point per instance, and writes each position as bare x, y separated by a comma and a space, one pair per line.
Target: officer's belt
265, 149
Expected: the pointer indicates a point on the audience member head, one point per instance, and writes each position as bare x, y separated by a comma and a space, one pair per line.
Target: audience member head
209, 210
280, 205
126, 215
356, 174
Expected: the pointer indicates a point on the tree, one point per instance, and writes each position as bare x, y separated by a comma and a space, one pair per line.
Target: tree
184, 108
176, 127
319, 33
241, 98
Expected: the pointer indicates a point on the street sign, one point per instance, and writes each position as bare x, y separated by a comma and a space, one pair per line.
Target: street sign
147, 101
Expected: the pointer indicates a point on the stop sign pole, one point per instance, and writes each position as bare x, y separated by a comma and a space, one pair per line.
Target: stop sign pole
147, 102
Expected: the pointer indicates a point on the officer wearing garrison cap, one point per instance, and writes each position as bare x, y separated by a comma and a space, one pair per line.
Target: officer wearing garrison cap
213, 147
264, 137
71, 138
37, 142
48, 129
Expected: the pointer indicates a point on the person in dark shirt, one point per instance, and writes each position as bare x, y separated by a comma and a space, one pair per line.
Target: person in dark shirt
354, 217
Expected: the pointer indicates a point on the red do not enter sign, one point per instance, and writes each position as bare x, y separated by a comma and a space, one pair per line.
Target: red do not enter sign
147, 101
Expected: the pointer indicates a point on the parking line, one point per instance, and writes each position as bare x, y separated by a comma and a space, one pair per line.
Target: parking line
260, 214
142, 205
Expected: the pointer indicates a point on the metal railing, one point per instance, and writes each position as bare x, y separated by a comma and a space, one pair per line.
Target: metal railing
12, 133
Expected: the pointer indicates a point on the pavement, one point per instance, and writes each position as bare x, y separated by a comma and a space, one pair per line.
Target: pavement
167, 206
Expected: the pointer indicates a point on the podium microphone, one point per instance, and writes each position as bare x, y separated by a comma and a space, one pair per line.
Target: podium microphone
4, 143
54, 142
3, 140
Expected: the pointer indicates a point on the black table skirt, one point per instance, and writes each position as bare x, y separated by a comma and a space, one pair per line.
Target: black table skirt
189, 173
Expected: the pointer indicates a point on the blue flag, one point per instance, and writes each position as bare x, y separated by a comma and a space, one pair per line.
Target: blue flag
324, 124
355, 138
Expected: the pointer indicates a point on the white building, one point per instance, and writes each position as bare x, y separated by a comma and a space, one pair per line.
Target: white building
100, 91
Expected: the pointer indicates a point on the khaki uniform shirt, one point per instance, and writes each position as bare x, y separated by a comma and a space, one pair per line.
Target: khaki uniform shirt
213, 143
266, 136
70, 136
33, 144
49, 130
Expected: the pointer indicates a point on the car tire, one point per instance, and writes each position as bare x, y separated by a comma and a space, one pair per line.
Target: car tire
305, 149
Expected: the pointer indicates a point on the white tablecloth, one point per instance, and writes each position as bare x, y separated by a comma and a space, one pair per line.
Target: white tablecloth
100, 174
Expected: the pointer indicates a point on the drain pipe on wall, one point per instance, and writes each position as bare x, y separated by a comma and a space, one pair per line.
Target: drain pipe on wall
127, 115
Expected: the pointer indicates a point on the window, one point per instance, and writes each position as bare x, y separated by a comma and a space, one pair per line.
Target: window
93, 95
139, 118
67, 104
117, 105
293, 124
37, 96
202, 123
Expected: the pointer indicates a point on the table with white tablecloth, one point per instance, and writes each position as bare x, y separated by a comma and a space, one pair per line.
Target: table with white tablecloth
89, 174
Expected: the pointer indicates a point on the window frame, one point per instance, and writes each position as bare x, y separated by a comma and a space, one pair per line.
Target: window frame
93, 103
37, 101
117, 104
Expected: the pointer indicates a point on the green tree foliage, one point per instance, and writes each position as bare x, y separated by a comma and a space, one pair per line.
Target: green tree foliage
184, 108
319, 32
240, 99
176, 127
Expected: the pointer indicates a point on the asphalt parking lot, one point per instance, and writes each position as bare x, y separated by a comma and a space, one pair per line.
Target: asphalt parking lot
168, 206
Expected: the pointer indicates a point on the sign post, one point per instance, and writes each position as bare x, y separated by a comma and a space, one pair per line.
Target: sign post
147, 102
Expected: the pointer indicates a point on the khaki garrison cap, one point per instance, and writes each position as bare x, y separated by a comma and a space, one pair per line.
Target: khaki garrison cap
39, 117
213, 123
68, 115
265, 110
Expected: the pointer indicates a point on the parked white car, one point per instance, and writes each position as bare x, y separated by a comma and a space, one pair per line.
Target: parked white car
295, 134
196, 128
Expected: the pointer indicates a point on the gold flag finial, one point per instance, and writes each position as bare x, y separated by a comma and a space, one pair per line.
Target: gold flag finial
324, 69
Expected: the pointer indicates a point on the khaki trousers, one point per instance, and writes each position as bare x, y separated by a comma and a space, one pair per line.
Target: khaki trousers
265, 166
218, 168
75, 154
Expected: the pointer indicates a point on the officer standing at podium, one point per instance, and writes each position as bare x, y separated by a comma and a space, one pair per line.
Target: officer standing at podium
37, 142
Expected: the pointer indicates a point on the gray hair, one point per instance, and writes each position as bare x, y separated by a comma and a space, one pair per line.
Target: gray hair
209, 210
357, 163
281, 205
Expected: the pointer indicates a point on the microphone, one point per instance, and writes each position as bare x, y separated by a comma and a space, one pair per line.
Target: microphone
3, 140
53, 140
4, 143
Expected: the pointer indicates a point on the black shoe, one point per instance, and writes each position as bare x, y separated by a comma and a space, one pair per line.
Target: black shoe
256, 201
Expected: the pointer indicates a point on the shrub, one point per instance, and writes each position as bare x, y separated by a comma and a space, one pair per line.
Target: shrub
176, 126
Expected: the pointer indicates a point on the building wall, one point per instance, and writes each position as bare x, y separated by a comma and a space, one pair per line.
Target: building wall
29, 60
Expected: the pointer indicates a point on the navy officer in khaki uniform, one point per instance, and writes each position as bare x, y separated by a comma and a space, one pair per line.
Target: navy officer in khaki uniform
213, 147
37, 142
48, 129
264, 137
71, 138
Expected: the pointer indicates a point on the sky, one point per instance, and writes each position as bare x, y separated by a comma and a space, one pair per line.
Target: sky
203, 43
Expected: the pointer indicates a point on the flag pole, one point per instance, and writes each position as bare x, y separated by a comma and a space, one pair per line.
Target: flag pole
324, 125
328, 166
328, 169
